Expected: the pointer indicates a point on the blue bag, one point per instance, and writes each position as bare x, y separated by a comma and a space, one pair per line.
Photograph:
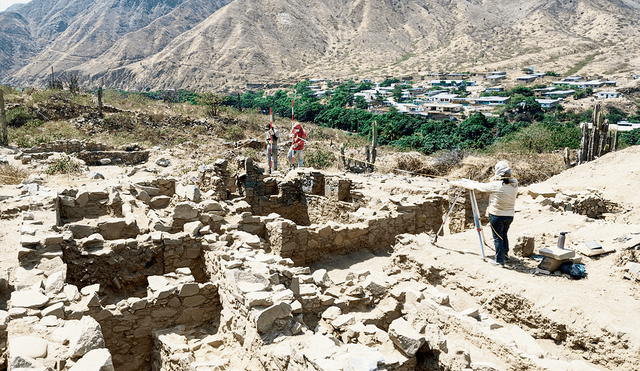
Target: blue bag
574, 270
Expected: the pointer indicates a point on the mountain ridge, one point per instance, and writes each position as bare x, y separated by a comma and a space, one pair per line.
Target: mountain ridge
225, 44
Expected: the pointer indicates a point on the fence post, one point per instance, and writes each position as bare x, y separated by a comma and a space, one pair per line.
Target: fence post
3, 119
100, 102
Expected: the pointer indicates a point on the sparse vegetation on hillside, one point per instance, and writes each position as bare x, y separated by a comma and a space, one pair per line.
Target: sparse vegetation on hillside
588, 59
520, 127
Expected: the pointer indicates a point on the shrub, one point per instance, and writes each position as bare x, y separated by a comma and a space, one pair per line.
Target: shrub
233, 133
63, 165
630, 138
319, 159
18, 116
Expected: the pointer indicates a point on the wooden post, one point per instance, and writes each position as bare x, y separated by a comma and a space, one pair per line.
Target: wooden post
100, 102
584, 143
367, 154
374, 144
3, 120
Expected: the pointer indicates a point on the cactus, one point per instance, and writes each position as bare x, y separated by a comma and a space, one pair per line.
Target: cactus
599, 140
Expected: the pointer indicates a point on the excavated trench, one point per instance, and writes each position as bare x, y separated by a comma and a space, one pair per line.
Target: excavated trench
604, 348
176, 283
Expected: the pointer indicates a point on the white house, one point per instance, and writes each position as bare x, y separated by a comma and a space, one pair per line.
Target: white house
442, 97
527, 78
491, 101
626, 126
608, 94
548, 103
441, 111
559, 93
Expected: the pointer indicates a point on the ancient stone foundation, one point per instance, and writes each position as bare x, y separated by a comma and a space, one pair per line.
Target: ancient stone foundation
168, 276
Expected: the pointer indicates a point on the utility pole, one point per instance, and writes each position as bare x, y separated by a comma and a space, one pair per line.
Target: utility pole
3, 119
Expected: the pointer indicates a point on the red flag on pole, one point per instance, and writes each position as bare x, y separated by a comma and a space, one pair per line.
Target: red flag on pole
270, 118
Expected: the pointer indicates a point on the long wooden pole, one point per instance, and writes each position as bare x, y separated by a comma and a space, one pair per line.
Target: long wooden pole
3, 119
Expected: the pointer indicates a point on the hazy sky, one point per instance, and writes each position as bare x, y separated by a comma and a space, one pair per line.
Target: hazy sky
4, 4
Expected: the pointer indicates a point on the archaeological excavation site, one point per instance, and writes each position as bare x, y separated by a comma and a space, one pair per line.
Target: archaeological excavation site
301, 270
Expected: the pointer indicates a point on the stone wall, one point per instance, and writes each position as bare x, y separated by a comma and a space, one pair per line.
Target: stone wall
80, 204
91, 153
116, 157
119, 265
124, 264
172, 299
68, 146
307, 244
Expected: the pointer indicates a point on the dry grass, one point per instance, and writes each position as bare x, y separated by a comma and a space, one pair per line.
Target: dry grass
10, 174
413, 162
455, 165
528, 169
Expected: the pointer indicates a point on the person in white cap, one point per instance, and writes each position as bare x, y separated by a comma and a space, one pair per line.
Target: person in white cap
504, 189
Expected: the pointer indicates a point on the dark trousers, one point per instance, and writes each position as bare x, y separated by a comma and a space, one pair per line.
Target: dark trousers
500, 227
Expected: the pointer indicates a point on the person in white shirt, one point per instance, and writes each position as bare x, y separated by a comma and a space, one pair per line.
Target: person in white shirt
272, 147
504, 190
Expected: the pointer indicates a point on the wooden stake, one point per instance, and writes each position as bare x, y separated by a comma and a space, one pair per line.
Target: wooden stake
3, 119
100, 102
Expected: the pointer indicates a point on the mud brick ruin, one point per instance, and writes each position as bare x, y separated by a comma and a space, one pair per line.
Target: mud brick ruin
158, 275
165, 274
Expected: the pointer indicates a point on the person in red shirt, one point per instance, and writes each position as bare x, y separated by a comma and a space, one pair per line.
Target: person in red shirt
297, 145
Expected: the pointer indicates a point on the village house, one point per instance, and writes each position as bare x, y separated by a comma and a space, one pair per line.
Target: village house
542, 91
488, 101
442, 98
408, 108
455, 83
548, 103
573, 78
559, 93
494, 88
441, 111
608, 94
526, 78
626, 125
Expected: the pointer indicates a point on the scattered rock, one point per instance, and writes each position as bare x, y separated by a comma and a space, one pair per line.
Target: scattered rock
95, 175
265, 319
28, 299
28, 346
405, 337
163, 162
86, 337
524, 246
94, 360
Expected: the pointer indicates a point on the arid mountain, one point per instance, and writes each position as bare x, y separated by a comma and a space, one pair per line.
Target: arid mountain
200, 44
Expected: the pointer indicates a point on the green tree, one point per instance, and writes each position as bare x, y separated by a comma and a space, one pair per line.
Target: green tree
212, 101
476, 131
630, 138
388, 82
397, 93
361, 103
615, 114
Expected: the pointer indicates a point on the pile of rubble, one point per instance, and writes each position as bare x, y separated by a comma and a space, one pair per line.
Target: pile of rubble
590, 202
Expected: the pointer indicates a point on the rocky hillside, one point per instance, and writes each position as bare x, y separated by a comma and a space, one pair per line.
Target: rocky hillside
197, 44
